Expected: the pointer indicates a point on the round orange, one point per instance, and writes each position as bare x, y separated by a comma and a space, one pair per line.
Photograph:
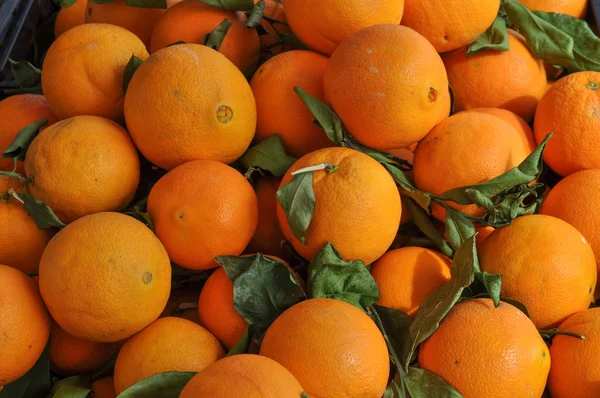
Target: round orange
574, 8
517, 122
69, 17
104, 388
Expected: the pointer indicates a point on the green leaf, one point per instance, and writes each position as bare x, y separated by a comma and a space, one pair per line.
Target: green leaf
324, 116
304, 395
231, 5
215, 38
422, 383
148, 3
104, 371
423, 199
395, 326
67, 3
298, 201
41, 213
241, 347
256, 15
396, 388
458, 227
20, 145
133, 64
518, 304
101, 1
25, 74
72, 387
423, 222
176, 43
268, 155
494, 38
493, 285
162, 385
34, 384
235, 266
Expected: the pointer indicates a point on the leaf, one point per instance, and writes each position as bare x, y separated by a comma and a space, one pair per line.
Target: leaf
162, 385
493, 285
20, 145
67, 3
148, 3
101, 1
422, 383
298, 201
231, 5
72, 387
241, 347
256, 15
176, 43
396, 388
423, 199
458, 227
41, 213
133, 64
517, 304
34, 384
324, 116
395, 326
25, 74
304, 395
494, 38
235, 266
423, 222
268, 155
215, 38
106, 370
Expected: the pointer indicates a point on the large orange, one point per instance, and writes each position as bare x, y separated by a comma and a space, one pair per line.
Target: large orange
574, 8
95, 56
25, 325
168, 345
545, 263
280, 110
105, 277
69, 17
388, 85
516, 121
489, 352
512, 79
203, 209
357, 206
103, 388
331, 347
189, 102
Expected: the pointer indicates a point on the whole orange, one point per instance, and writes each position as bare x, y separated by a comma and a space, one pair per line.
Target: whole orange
331, 347
189, 102
105, 277
69, 17
489, 352
104, 388
517, 122
167, 345
275, 26
574, 8
388, 85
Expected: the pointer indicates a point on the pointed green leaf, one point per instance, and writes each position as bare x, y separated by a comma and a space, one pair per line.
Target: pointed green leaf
304, 395
324, 116
67, 3
518, 304
18, 148
41, 213
458, 228
241, 347
235, 266
162, 385
493, 285
494, 38
269, 155
101, 1
231, 5
256, 15
148, 3
423, 222
480, 199
215, 38
25, 74
422, 383
72, 387
133, 64
298, 201
395, 325
396, 388
34, 384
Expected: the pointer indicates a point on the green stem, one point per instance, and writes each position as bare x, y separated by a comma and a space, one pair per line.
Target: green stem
554, 332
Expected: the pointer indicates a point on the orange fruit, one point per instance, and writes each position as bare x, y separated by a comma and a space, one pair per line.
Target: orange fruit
25, 325
101, 172
450, 25
574, 8
169, 344
246, 375
191, 20
95, 56
357, 207
280, 110
277, 25
203, 209
331, 347
569, 110
323, 26
399, 87
69, 17
512, 80
189, 102
104, 388
545, 263
406, 277
482, 234
489, 352
105, 277
517, 122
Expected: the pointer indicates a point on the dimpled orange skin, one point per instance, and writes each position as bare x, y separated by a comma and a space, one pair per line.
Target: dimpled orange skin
169, 344
105, 277
95, 56
280, 110
545, 263
25, 325
512, 80
388, 85
517, 122
357, 207
489, 352
245, 375
574, 8
331, 347
70, 17
203, 209
104, 388
188, 102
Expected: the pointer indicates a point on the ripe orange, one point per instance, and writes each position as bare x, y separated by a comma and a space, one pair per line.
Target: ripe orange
517, 122
280, 110
25, 325
277, 25
398, 90
95, 56
189, 102
489, 352
512, 80
574, 8
167, 345
331, 347
70, 17
248, 376
105, 277
104, 388
482, 234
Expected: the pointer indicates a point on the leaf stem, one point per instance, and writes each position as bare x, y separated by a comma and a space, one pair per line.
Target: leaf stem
15, 195
555, 332
321, 166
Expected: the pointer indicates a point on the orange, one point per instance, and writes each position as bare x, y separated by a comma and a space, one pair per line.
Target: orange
246, 375
103, 388
280, 110
357, 206
512, 80
545, 263
100, 173
25, 325
574, 8
331, 347
203, 209
569, 110
406, 277
168, 345
322, 26
105, 277
450, 25
388, 85
276, 26
489, 352
95, 56
70, 17
517, 122
191, 20
189, 102
482, 234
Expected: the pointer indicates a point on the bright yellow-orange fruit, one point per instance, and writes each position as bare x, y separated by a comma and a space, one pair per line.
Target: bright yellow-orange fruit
517, 122
69, 17
574, 8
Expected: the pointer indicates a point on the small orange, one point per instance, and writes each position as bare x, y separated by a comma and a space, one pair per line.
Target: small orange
103, 388
69, 17
574, 8
482, 234
517, 122
275, 26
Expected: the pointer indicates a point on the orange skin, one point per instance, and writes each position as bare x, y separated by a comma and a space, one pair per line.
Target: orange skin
482, 235
357, 207
545, 263
489, 352
203, 209
169, 344
512, 80
569, 110
191, 20
280, 110
101, 173
104, 388
396, 97
25, 325
574, 8
517, 122
215, 108
97, 284
331, 347
245, 375
70, 17
274, 10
